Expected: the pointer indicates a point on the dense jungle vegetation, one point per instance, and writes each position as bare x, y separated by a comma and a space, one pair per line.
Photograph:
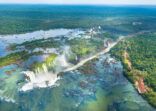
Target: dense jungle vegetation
141, 51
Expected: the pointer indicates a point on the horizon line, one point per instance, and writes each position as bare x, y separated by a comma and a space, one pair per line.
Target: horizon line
77, 4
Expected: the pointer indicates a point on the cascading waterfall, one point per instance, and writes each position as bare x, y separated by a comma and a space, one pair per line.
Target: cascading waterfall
44, 68
41, 77
61, 62
30, 76
44, 78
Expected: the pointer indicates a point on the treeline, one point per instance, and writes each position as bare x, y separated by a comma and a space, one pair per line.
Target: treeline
142, 54
13, 58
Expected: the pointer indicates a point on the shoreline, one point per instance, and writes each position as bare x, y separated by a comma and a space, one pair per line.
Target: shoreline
127, 72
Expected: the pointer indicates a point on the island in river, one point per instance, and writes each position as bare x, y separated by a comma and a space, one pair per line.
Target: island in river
77, 58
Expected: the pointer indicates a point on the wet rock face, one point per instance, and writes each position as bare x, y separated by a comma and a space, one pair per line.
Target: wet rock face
27, 77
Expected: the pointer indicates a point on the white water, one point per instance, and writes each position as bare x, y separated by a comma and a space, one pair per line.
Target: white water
41, 34
41, 79
82, 62
7, 99
20, 38
47, 50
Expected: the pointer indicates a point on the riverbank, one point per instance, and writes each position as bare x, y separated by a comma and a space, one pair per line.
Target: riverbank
137, 55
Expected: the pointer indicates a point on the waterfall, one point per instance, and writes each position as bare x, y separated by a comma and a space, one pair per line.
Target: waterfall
44, 78
41, 80
62, 60
30, 76
45, 69
41, 77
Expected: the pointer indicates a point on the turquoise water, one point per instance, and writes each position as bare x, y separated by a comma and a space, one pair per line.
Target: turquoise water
106, 89
102, 88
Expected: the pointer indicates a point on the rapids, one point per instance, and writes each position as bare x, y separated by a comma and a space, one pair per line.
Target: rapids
46, 79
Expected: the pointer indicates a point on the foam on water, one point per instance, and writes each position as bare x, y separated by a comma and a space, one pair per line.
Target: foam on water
40, 80
19, 38
47, 50
43, 78
7, 99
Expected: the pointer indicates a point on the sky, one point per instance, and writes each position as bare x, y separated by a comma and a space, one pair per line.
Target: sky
100, 2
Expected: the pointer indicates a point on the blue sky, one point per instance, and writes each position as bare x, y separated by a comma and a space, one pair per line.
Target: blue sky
131, 2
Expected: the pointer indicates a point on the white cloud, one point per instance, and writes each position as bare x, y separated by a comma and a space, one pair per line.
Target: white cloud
152, 2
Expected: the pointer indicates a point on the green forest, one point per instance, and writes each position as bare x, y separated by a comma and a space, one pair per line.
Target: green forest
142, 55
